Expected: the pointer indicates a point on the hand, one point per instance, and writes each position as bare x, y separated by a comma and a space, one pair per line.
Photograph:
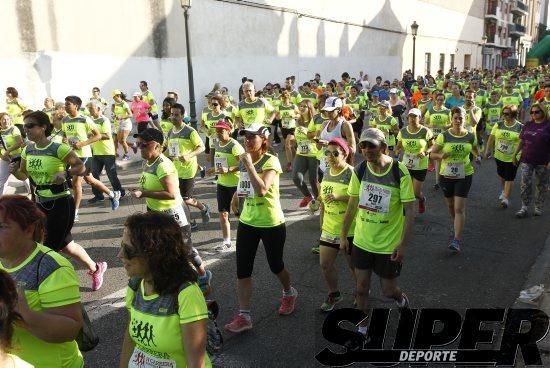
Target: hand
22, 307
329, 198
445, 155
514, 161
235, 206
344, 244
13, 167
398, 254
184, 158
222, 170
59, 178
245, 158
137, 193
210, 171
5, 156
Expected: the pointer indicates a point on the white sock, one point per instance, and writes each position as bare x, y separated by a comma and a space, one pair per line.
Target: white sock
111, 194
76, 212
227, 240
363, 330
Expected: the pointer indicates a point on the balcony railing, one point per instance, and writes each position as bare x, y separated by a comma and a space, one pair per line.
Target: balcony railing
516, 29
519, 7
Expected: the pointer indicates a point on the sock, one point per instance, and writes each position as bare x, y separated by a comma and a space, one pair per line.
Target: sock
76, 212
245, 313
111, 194
363, 330
227, 240
288, 292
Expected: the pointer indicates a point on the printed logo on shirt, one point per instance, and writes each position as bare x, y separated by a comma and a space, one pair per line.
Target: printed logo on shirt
143, 332
35, 164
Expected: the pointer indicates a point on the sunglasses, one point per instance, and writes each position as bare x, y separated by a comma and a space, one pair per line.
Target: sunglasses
95, 90
127, 251
365, 145
215, 104
533, 112
30, 125
332, 153
144, 144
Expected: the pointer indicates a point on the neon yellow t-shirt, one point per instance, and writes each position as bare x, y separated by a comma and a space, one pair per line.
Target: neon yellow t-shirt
380, 221
254, 112
103, 147
49, 281
458, 164
513, 98
305, 146
150, 99
77, 129
413, 144
492, 113
263, 211
166, 126
288, 114
386, 126
335, 183
506, 140
437, 120
10, 137
209, 121
228, 156
155, 324
179, 143
43, 164
150, 180
15, 111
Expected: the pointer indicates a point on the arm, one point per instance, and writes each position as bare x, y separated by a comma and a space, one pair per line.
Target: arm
127, 349
194, 342
93, 137
16, 146
19, 170
351, 210
436, 152
516, 151
171, 189
76, 166
188, 156
398, 253
490, 146
350, 137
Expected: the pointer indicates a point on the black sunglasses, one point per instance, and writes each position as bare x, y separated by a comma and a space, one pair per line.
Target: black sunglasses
332, 153
215, 104
364, 145
506, 114
535, 112
144, 144
30, 125
127, 251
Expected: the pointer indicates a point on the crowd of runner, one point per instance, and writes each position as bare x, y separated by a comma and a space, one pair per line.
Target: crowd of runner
358, 151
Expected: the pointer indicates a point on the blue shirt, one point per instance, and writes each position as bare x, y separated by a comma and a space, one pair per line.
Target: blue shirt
454, 102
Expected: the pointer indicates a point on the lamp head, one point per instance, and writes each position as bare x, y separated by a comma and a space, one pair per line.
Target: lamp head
186, 3
414, 28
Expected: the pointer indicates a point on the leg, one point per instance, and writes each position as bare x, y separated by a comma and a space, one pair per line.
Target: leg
110, 169
363, 287
248, 239
526, 186
225, 225
90, 180
4, 175
77, 189
541, 182
313, 166
460, 216
390, 289
76, 251
327, 259
298, 170
274, 243
121, 137
97, 168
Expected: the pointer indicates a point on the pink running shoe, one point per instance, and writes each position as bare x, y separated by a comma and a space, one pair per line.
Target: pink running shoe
287, 303
239, 324
97, 276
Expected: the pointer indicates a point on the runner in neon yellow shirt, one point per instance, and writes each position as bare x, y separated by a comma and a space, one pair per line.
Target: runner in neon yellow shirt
334, 200
503, 141
10, 149
253, 109
386, 123
380, 193
492, 113
287, 114
150, 99
15, 108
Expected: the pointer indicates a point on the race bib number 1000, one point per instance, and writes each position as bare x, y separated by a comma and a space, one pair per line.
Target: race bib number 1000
375, 198
174, 149
245, 188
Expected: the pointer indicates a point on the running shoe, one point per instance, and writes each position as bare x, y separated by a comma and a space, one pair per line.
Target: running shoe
314, 206
97, 275
330, 302
239, 324
289, 167
431, 166
538, 211
223, 247
275, 144
204, 281
422, 205
125, 157
205, 214
436, 186
95, 200
76, 218
504, 202
404, 303
202, 171
305, 202
287, 303
115, 201
501, 196
135, 148
455, 245
315, 250
522, 213
194, 225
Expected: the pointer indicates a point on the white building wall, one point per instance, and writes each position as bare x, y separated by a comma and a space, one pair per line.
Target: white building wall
61, 47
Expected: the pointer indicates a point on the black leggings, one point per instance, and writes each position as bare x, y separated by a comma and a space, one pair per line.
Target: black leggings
248, 239
59, 221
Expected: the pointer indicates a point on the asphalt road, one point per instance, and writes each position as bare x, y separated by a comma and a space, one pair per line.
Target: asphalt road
498, 252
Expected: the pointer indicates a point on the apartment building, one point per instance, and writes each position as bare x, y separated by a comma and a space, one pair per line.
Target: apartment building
511, 29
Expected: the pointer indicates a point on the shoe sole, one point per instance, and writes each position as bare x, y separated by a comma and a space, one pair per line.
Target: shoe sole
239, 330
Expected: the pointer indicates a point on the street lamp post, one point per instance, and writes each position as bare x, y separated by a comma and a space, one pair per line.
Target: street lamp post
186, 5
520, 53
483, 42
414, 31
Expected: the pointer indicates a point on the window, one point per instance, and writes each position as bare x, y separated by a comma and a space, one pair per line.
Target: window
428, 63
452, 61
442, 62
467, 59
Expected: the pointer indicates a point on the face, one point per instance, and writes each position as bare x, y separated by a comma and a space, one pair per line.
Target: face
306, 89
249, 92
48, 103
547, 92
455, 89
494, 98
382, 110
147, 148
59, 113
378, 80
333, 115
215, 105
536, 113
171, 95
5, 122
117, 98
335, 155
469, 97
371, 151
12, 237
222, 134
166, 108
92, 109
134, 264
71, 108
268, 89
95, 92
507, 114
176, 116
34, 131
386, 85
413, 119
353, 92
425, 95
457, 120
439, 100
142, 87
253, 142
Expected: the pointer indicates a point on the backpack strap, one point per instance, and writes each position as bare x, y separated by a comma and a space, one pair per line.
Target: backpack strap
395, 172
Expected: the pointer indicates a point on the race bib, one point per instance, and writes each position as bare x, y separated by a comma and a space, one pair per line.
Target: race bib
330, 238
304, 147
72, 140
287, 123
220, 163
213, 142
174, 149
411, 161
375, 198
505, 147
141, 359
436, 131
245, 188
178, 214
454, 170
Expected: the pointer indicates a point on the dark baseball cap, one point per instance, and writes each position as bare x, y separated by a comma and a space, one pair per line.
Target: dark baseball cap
151, 134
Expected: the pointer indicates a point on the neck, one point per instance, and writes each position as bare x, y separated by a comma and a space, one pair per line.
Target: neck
42, 142
414, 126
24, 251
252, 99
95, 116
456, 130
224, 140
538, 121
148, 285
153, 159
379, 164
509, 122
178, 125
339, 165
74, 115
5, 360
255, 156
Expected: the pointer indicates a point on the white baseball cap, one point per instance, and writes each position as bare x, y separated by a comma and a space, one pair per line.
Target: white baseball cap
332, 103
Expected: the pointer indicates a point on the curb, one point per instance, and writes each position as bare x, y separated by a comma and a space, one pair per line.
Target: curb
540, 274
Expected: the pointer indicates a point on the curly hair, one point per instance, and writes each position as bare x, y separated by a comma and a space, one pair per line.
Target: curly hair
159, 239
8, 315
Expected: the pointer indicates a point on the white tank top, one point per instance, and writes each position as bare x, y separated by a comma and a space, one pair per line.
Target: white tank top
335, 133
